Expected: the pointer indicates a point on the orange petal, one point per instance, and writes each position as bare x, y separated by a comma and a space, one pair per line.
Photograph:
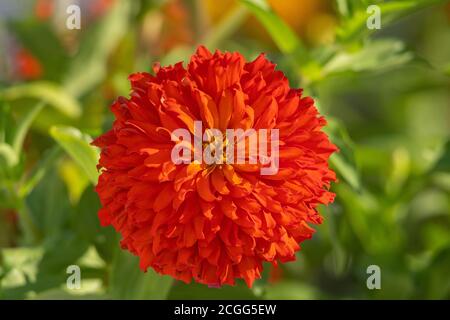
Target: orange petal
164, 198
228, 208
290, 153
231, 175
208, 109
238, 109
204, 188
268, 117
225, 109
218, 182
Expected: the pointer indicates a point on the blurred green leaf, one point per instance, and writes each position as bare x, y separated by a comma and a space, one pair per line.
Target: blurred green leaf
138, 285
344, 161
286, 39
87, 224
346, 170
88, 67
53, 262
19, 267
354, 28
343, 7
86, 220
24, 125
50, 93
44, 282
291, 291
435, 283
77, 145
60, 294
49, 205
8, 157
443, 164
375, 55
6, 122
400, 170
46, 162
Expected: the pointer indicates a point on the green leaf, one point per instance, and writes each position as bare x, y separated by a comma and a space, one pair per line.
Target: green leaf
286, 39
24, 125
375, 55
87, 224
40, 269
60, 294
128, 281
89, 65
49, 205
343, 7
346, 170
6, 122
344, 161
443, 163
86, 220
77, 145
61, 252
18, 265
40, 169
43, 282
292, 291
354, 28
8, 156
48, 92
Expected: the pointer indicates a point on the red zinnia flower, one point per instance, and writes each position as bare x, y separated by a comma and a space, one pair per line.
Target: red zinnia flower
212, 223
44, 9
28, 67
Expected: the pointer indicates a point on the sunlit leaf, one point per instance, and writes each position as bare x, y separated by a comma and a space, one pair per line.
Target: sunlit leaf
375, 55
77, 145
292, 291
346, 170
53, 262
281, 33
7, 155
18, 268
24, 125
50, 93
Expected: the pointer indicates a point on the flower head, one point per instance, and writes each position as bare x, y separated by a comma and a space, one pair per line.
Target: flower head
28, 67
212, 223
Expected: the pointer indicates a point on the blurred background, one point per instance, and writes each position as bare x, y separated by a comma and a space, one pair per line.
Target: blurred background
384, 92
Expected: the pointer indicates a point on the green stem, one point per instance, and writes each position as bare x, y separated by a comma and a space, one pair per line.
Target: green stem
31, 232
23, 127
38, 172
